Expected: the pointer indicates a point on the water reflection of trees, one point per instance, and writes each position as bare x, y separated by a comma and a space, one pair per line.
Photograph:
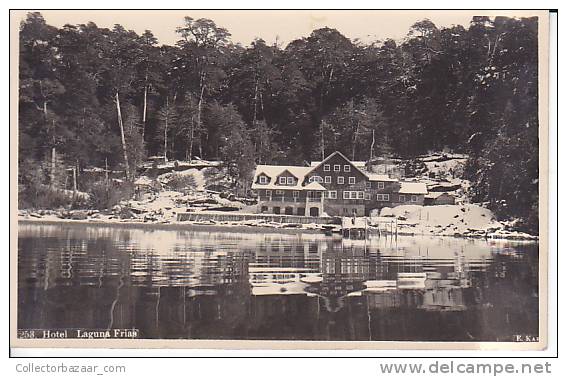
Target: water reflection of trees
272, 286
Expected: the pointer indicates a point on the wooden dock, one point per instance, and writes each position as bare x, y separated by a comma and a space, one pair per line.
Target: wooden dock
347, 227
362, 227
235, 217
355, 227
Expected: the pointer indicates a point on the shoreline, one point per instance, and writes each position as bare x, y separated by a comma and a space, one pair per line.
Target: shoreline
232, 228
228, 228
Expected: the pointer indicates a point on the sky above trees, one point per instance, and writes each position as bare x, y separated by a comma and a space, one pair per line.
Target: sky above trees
245, 26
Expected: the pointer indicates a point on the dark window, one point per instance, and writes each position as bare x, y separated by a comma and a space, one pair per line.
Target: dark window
288, 210
264, 209
277, 210
301, 211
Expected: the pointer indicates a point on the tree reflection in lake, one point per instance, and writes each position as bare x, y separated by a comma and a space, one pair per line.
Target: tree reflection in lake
213, 285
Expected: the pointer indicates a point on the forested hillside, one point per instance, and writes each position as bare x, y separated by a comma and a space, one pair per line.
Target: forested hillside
92, 96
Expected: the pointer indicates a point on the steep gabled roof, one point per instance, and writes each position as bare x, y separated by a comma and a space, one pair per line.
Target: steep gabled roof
413, 188
343, 156
380, 177
300, 172
435, 195
273, 171
287, 170
359, 164
316, 186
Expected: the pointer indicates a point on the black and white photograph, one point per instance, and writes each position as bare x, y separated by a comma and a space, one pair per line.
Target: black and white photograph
289, 178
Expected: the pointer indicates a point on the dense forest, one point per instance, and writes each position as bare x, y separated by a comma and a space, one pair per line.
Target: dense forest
92, 96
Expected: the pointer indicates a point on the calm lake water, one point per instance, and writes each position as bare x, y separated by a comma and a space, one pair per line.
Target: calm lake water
213, 285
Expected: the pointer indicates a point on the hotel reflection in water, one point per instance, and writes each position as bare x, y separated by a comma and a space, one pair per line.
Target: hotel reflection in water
270, 287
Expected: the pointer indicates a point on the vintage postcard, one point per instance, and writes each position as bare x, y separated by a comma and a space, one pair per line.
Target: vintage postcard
279, 179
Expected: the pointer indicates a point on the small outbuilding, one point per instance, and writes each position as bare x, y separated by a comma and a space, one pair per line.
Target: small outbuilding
439, 198
412, 193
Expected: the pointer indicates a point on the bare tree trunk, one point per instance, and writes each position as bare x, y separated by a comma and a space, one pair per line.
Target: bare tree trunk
106, 170
262, 105
191, 135
199, 108
372, 147
255, 102
78, 175
145, 111
52, 171
355, 139
322, 140
121, 125
165, 128
144, 115
74, 179
258, 139
494, 49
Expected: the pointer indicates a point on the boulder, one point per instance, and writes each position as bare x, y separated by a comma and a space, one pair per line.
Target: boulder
79, 215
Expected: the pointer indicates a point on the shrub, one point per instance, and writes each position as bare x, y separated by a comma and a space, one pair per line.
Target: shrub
36, 191
105, 195
181, 182
45, 197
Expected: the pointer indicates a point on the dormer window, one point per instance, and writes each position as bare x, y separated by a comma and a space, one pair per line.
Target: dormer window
347, 168
380, 185
263, 180
282, 180
326, 167
290, 180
